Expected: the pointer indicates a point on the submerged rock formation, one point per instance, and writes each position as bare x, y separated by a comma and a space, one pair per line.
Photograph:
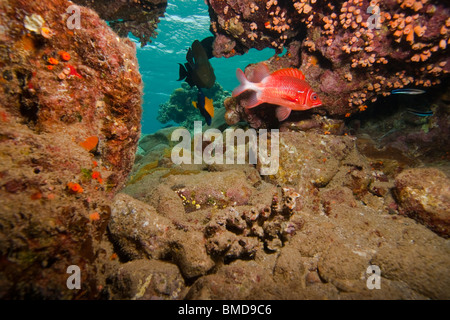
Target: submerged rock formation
310, 231
424, 194
70, 110
140, 17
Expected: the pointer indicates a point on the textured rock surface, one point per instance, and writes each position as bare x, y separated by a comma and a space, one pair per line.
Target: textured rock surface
284, 236
302, 164
424, 194
139, 232
70, 121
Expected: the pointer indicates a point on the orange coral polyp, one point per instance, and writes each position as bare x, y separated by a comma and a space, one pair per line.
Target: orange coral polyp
64, 55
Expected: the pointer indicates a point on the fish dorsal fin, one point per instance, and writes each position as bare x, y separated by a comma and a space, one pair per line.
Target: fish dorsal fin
194, 103
209, 107
190, 57
199, 53
291, 72
259, 73
282, 113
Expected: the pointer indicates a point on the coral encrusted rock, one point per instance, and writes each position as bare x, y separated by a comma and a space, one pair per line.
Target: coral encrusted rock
70, 110
424, 195
140, 17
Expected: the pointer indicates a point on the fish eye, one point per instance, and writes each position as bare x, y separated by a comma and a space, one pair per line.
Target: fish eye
314, 97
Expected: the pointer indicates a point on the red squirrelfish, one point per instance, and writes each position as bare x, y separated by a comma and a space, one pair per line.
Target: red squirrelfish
286, 88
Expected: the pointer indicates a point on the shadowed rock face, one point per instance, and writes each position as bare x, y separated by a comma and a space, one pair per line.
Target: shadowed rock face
70, 106
139, 17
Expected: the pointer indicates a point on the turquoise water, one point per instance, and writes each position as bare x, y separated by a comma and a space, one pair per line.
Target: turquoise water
184, 21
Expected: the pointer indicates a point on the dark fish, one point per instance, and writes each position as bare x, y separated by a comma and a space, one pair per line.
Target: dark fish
207, 44
197, 70
205, 106
408, 91
420, 113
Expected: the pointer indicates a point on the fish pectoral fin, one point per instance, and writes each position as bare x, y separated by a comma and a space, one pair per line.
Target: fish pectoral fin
194, 103
282, 113
209, 107
289, 98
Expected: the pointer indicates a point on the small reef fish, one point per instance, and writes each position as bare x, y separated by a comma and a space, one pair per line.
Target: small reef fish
205, 106
197, 71
286, 88
408, 91
207, 44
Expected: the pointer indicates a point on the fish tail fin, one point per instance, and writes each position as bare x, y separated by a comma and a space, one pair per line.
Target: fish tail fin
194, 103
209, 107
244, 85
252, 101
183, 72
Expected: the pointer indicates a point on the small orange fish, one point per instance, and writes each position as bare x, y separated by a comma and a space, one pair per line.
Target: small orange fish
286, 88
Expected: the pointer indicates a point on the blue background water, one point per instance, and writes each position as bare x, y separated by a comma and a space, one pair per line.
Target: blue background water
184, 21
